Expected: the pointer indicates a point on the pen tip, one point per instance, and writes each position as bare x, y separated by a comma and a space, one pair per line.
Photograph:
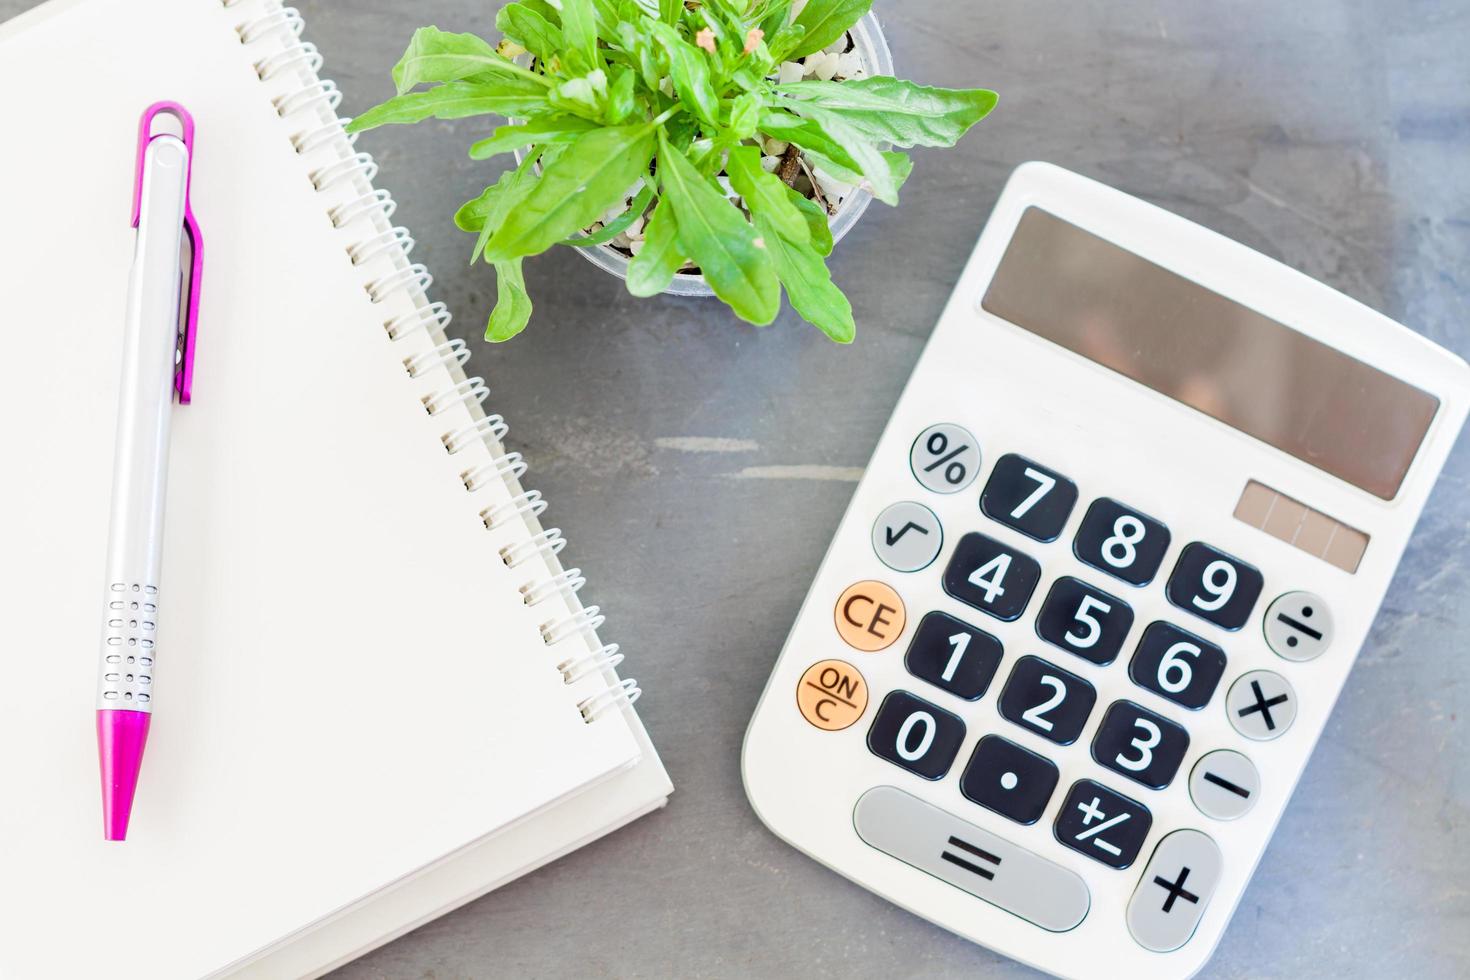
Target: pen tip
121, 735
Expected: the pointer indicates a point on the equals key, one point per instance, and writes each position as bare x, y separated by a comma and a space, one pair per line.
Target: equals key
1298, 626
972, 852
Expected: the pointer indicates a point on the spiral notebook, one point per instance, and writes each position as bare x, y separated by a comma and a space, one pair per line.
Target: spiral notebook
378, 694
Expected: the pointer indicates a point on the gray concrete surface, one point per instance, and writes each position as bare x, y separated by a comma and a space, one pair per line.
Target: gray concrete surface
1331, 134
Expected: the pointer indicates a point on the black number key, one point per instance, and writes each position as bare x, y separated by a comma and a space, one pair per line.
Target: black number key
1177, 665
1121, 541
1214, 586
921, 737
1084, 620
952, 654
1028, 497
1048, 700
1012, 781
1104, 825
991, 576
1139, 744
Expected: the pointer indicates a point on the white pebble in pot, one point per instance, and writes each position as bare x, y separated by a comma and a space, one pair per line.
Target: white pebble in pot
791, 71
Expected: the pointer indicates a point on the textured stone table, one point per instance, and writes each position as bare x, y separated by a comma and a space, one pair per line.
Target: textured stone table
699, 466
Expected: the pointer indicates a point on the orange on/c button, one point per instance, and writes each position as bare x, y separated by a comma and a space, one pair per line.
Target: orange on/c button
869, 616
832, 695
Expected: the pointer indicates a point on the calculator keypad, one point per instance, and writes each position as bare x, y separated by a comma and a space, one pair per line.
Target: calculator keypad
1214, 586
1174, 889
1049, 701
951, 654
1014, 782
1134, 742
1084, 620
1177, 665
870, 616
916, 735
1261, 705
991, 576
1104, 825
1121, 541
1028, 497
945, 458
984, 864
907, 537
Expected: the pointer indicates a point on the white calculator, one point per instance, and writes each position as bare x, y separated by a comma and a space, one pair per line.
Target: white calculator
1100, 585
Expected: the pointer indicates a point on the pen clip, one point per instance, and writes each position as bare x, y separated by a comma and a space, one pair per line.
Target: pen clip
184, 375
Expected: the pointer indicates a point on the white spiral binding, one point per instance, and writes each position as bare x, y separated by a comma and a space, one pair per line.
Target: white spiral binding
491, 425
319, 98
456, 351
309, 139
568, 582
378, 200
625, 691
414, 275
577, 668
508, 464
334, 173
528, 503
370, 248
323, 92
433, 316
548, 544
304, 55
469, 390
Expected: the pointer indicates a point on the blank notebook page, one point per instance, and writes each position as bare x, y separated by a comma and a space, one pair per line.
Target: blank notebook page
349, 685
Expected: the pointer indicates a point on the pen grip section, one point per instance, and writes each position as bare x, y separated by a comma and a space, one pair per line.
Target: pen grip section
125, 677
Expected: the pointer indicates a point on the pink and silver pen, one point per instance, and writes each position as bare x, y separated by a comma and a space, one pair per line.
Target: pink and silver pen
158, 362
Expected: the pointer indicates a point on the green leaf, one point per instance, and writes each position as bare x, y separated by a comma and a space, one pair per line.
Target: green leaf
455, 100
805, 133
669, 11
785, 41
869, 160
652, 270
439, 56
689, 71
899, 167
745, 113
584, 96
512, 303
617, 226
548, 13
534, 32
621, 103
890, 110
809, 284
471, 214
547, 129
579, 28
819, 225
775, 16
713, 232
825, 21
487, 212
605, 15
765, 194
574, 190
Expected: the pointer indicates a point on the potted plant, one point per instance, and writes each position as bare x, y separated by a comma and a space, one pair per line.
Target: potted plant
688, 145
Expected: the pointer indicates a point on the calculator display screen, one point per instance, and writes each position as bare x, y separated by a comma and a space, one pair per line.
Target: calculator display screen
1175, 336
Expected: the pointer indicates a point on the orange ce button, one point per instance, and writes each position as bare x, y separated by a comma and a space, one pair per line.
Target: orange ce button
869, 616
831, 695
